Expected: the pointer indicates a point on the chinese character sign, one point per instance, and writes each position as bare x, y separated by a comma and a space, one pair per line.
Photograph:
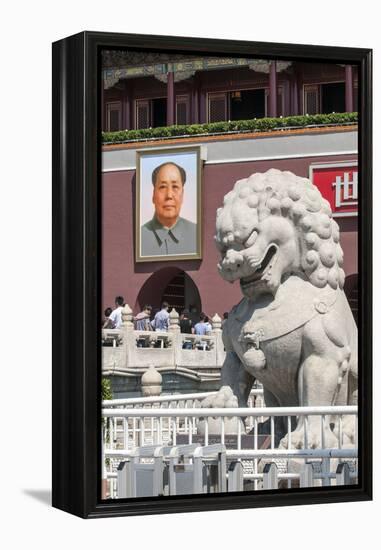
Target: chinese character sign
338, 183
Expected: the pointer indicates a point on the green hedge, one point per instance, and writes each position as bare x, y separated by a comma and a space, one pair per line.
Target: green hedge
106, 389
259, 125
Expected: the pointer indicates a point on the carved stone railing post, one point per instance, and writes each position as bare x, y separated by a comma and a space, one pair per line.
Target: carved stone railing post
217, 332
127, 318
174, 329
174, 323
216, 322
151, 383
128, 336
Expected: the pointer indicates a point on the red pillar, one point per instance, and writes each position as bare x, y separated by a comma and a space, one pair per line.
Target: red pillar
273, 90
295, 96
195, 102
287, 98
349, 89
202, 107
171, 119
126, 121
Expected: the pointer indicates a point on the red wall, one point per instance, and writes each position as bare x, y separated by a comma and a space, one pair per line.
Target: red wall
121, 275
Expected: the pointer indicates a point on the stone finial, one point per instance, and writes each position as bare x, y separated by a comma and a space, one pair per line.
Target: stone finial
216, 322
173, 319
127, 317
151, 382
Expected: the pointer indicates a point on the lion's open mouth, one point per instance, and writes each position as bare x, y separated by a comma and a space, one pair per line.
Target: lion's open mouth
260, 268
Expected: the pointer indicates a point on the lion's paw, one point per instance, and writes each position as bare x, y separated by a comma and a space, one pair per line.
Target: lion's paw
224, 399
294, 440
312, 441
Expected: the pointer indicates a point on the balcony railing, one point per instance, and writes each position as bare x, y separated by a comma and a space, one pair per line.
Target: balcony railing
128, 351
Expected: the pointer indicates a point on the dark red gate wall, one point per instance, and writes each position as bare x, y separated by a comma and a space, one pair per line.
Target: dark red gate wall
120, 273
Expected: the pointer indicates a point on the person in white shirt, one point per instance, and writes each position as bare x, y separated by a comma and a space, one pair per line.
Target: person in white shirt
116, 315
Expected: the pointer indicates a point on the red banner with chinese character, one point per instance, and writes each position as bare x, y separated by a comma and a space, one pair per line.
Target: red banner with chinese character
338, 183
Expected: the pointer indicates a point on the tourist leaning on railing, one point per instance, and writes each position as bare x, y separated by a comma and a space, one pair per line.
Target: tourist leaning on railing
186, 324
106, 322
142, 320
203, 327
115, 318
161, 321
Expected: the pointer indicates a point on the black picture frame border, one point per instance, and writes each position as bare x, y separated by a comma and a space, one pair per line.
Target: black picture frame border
76, 176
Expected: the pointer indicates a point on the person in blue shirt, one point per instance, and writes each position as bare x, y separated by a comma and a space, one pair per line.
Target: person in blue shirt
167, 232
161, 320
203, 327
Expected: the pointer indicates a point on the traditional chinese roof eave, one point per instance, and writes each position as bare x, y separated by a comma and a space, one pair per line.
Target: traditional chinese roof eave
183, 68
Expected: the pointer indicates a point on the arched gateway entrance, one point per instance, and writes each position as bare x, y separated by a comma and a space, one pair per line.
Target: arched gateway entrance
171, 285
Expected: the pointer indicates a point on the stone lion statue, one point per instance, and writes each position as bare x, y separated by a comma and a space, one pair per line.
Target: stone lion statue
293, 330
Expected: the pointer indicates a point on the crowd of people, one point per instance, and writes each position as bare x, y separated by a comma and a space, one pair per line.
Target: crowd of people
146, 321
